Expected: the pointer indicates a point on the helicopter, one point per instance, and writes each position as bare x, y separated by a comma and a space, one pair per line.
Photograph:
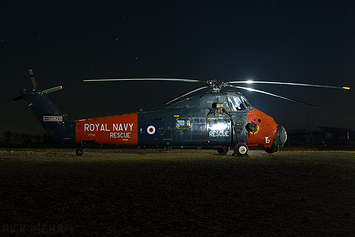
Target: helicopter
214, 119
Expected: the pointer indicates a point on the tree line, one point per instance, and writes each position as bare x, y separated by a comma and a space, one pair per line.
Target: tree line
13, 138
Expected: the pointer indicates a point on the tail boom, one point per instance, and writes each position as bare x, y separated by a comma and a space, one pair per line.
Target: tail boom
52, 120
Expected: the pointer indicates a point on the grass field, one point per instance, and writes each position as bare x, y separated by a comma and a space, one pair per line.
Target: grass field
129, 192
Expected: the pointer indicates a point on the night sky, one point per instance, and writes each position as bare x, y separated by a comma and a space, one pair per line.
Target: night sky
65, 42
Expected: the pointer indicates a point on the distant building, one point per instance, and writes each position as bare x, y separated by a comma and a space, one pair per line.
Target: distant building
322, 136
336, 136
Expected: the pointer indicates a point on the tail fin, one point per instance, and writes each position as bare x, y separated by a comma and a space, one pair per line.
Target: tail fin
53, 121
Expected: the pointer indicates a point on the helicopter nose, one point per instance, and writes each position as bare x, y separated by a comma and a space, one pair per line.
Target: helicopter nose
281, 135
279, 141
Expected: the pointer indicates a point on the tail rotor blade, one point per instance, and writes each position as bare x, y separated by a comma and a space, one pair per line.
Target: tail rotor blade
17, 98
57, 88
32, 79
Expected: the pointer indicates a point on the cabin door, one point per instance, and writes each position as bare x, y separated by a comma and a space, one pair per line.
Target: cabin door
219, 129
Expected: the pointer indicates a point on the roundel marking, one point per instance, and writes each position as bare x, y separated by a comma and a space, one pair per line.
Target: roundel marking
151, 129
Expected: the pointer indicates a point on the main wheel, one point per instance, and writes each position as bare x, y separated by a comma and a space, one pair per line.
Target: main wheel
241, 149
79, 151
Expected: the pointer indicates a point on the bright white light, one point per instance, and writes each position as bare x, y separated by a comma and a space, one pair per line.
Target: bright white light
219, 126
249, 82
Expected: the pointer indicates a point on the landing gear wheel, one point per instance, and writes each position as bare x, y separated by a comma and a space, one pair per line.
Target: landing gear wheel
222, 150
241, 149
79, 151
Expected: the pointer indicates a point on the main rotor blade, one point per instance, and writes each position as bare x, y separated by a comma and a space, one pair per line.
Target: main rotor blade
288, 84
142, 79
185, 94
57, 88
268, 93
32, 79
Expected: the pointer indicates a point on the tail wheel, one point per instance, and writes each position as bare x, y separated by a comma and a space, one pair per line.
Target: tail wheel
80, 151
241, 149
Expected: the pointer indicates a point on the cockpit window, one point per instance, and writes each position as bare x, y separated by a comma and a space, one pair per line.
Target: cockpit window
238, 102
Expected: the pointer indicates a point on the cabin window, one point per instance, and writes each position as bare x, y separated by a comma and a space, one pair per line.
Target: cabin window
238, 103
183, 123
218, 123
218, 128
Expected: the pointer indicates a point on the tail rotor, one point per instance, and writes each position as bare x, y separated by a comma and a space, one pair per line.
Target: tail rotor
34, 84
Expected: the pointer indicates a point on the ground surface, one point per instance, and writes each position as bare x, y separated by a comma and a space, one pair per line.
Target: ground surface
176, 193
